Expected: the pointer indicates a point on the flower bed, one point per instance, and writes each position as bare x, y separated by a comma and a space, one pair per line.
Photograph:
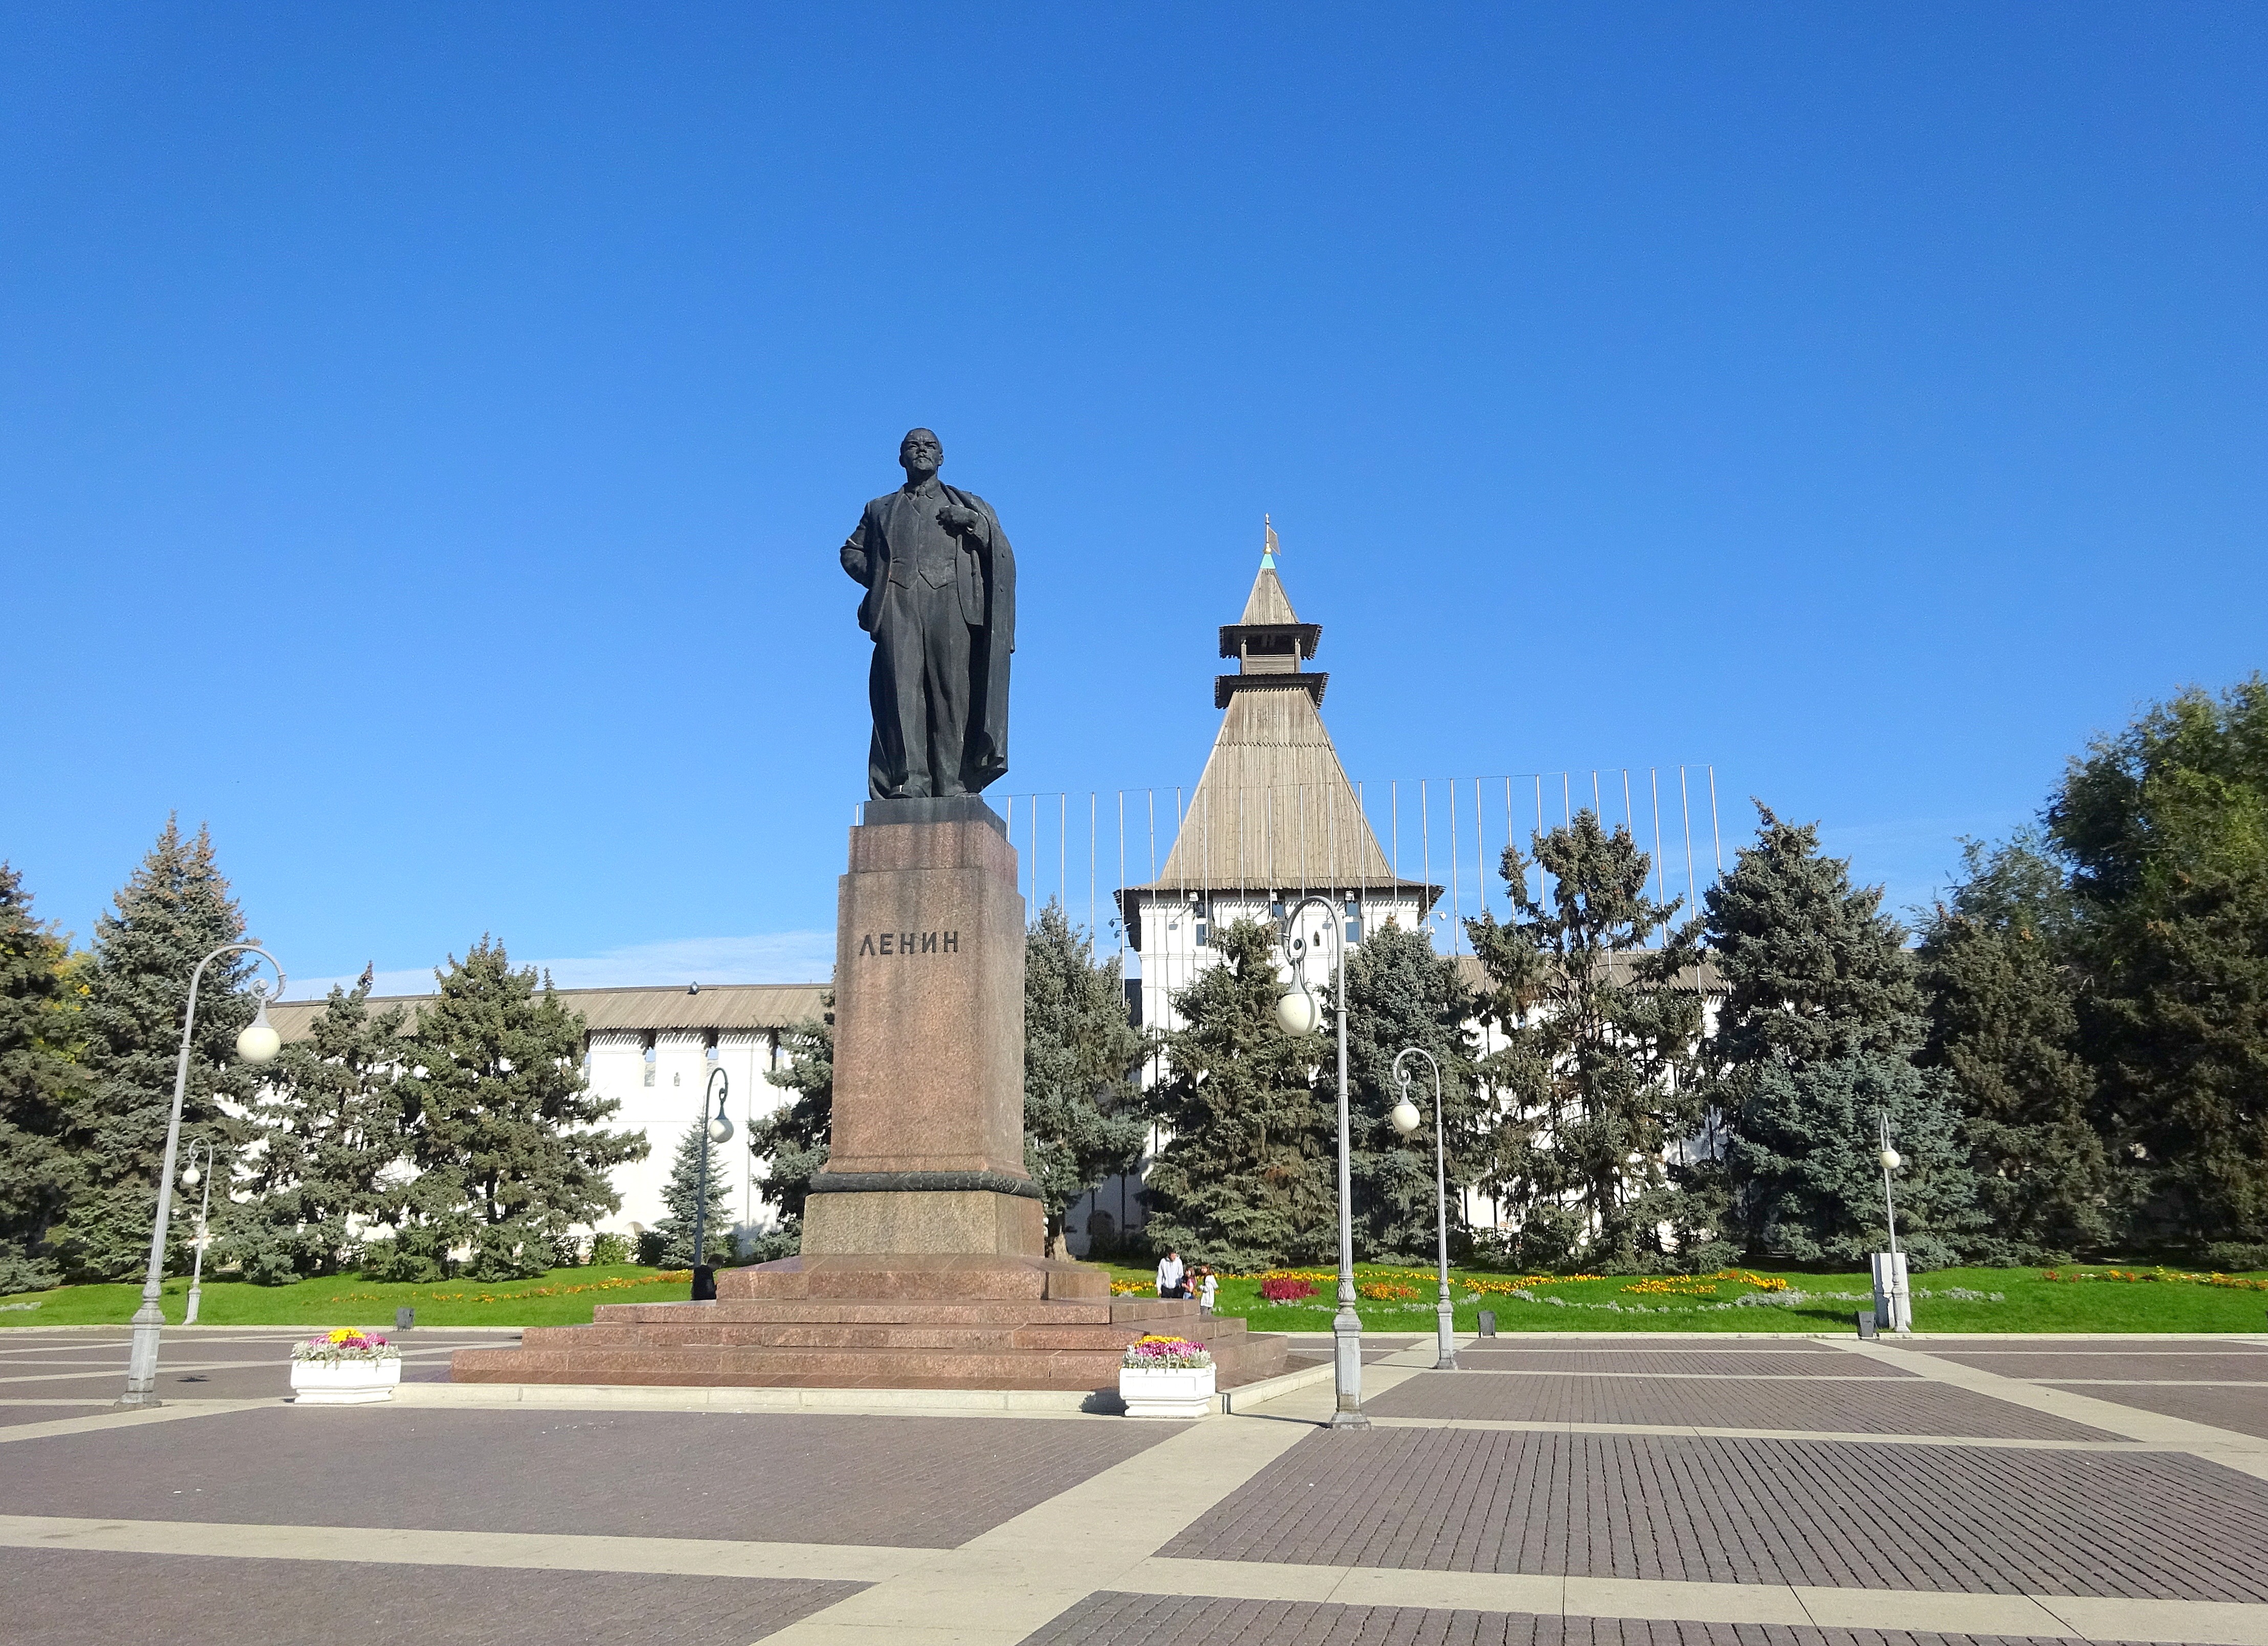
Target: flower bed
345, 1367
1166, 1376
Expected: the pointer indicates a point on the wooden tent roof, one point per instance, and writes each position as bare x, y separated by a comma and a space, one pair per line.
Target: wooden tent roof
1275, 810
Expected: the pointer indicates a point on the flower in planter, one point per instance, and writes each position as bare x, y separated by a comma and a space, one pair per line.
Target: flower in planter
1161, 1354
345, 1343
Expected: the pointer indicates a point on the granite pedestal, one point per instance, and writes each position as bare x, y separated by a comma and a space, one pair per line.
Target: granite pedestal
922, 1240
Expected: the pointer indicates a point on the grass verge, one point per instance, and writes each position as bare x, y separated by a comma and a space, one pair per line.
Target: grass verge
1945, 1300
564, 1297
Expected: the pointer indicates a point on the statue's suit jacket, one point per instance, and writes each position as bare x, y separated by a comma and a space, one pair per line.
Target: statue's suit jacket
880, 553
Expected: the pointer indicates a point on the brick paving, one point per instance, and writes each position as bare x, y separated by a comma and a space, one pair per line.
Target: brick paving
2243, 1409
2144, 1524
1193, 1621
904, 1481
70, 1597
1715, 1363
1851, 1406
2210, 1368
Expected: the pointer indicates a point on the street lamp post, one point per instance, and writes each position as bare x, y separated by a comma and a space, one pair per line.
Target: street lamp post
720, 1130
257, 1044
204, 1219
1406, 1120
1892, 1294
1298, 1013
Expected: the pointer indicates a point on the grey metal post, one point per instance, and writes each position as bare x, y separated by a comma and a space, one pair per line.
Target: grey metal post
1445, 1332
204, 1222
1346, 1325
708, 1135
150, 1319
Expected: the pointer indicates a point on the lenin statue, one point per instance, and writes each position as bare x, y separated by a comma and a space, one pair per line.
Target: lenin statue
941, 605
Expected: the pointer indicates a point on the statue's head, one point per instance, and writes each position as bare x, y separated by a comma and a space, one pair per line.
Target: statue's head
921, 453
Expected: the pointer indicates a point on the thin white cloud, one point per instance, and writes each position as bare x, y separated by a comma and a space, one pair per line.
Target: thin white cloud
766, 958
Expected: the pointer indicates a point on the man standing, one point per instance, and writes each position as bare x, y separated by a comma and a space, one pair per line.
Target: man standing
940, 604
1169, 1275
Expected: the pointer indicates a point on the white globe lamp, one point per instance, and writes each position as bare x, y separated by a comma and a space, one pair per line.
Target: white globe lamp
1297, 1011
1892, 1160
258, 1042
1405, 1117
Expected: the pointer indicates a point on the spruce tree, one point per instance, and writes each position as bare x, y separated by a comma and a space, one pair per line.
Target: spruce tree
1822, 1017
1081, 1118
2165, 829
1404, 994
1249, 1179
793, 1139
503, 1130
683, 1196
1596, 1083
2004, 1023
173, 911
330, 1130
42, 1088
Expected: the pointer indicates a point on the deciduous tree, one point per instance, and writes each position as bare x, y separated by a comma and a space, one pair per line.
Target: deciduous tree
2166, 828
1997, 966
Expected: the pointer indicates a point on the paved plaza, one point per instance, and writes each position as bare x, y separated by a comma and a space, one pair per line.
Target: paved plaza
1557, 1491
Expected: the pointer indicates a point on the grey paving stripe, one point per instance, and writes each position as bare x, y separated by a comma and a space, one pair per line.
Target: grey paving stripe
1903, 1406
68, 1598
1197, 1619
2216, 1367
910, 1481
2244, 1410
1640, 1363
1950, 1519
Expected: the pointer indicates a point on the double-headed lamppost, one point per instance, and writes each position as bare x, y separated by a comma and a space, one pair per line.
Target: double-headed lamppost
189, 1179
720, 1130
258, 1044
1406, 1120
1300, 1013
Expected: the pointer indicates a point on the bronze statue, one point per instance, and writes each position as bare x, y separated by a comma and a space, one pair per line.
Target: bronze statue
941, 605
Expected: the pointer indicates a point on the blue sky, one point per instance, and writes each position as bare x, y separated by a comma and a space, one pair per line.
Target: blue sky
426, 431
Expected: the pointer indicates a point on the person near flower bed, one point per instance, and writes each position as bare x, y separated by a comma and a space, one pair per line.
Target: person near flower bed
1171, 1274
1210, 1289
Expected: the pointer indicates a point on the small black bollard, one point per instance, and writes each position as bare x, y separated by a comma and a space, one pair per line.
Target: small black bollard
404, 1318
704, 1283
1865, 1323
1488, 1323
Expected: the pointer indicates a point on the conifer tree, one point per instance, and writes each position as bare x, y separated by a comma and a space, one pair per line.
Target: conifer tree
1081, 1118
330, 1130
2004, 1023
1404, 994
1249, 1179
1822, 1017
173, 911
1596, 1081
793, 1139
503, 1130
682, 1195
42, 1088
2165, 829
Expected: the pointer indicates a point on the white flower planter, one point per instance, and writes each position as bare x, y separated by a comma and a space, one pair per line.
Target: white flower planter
1179, 1391
344, 1383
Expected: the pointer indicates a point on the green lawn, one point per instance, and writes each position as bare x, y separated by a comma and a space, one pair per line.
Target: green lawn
2000, 1300
565, 1297
2026, 1302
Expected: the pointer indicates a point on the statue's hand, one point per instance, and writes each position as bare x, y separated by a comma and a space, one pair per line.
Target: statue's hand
959, 519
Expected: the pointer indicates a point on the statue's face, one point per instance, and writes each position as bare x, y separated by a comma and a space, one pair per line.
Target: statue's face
921, 452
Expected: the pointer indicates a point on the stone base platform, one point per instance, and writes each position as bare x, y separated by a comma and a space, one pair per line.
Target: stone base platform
877, 1323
